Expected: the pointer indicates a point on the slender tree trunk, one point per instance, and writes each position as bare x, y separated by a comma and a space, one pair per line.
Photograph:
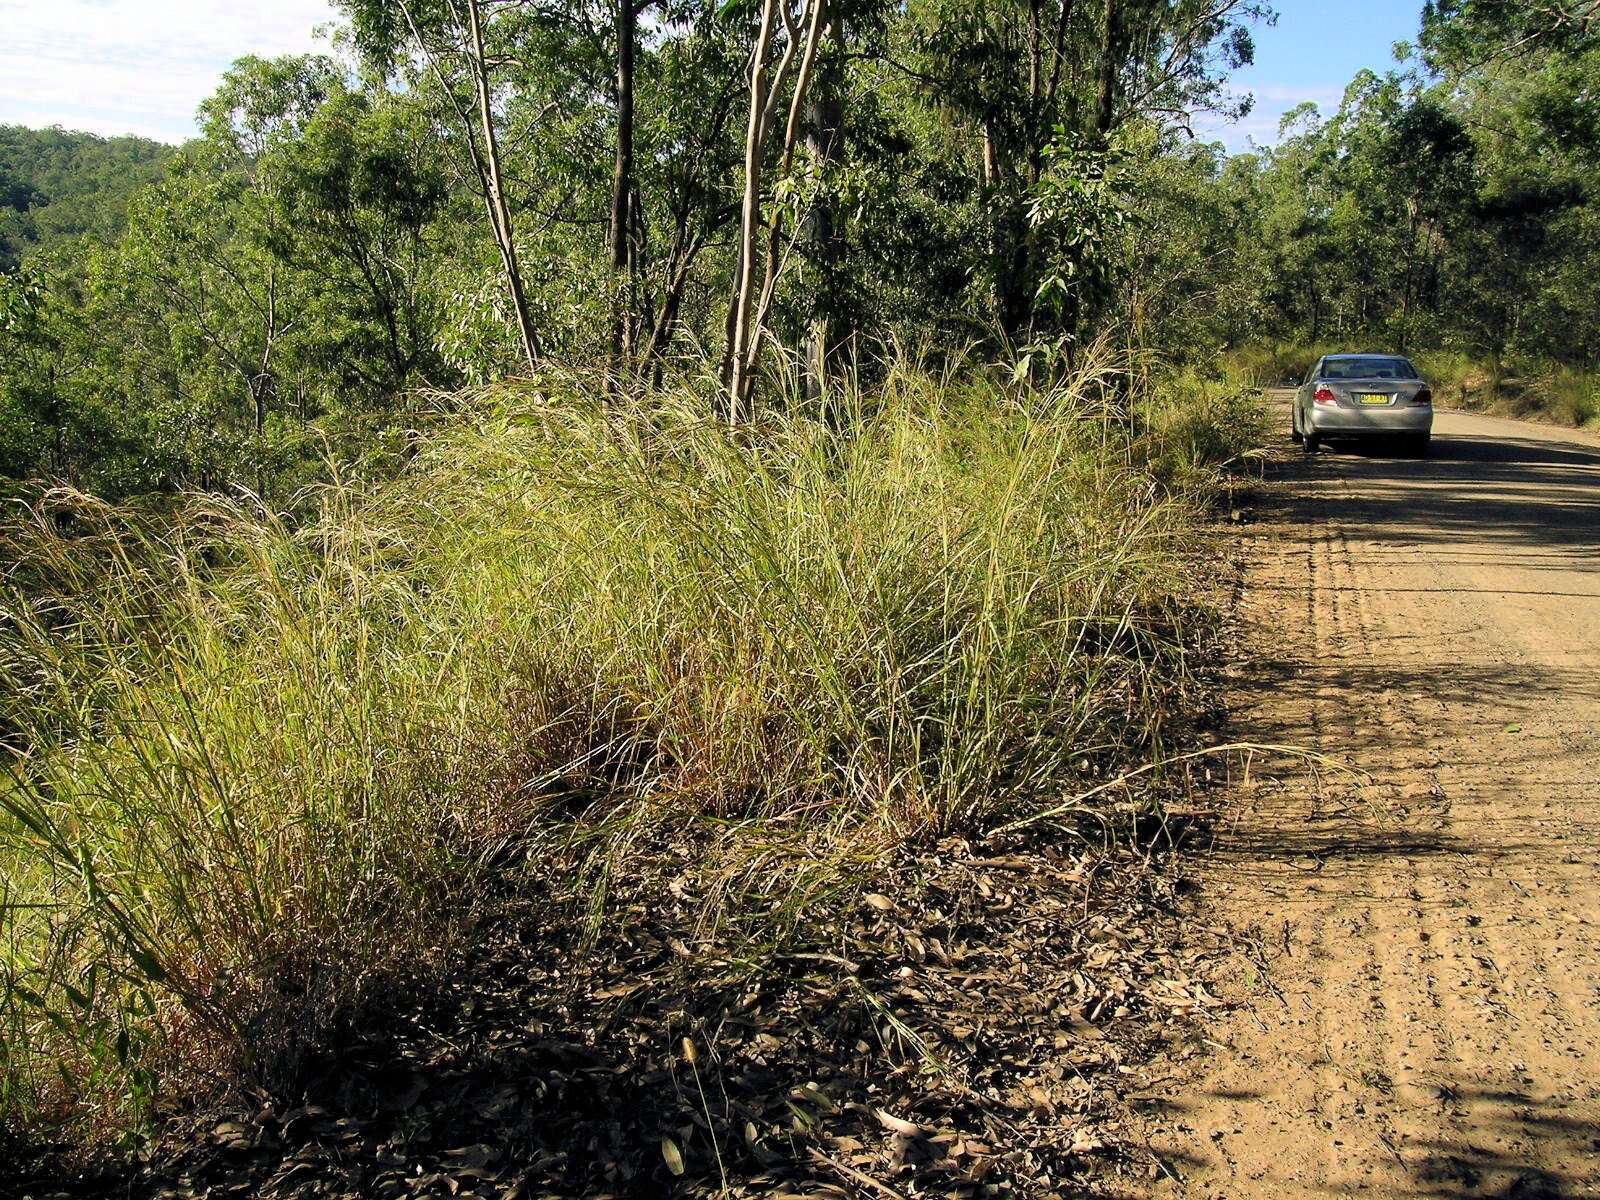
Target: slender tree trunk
261, 383
1044, 91
622, 188
1106, 98
494, 188
755, 144
1058, 51
485, 161
746, 317
791, 136
685, 250
1035, 60
58, 425
258, 395
826, 141
748, 314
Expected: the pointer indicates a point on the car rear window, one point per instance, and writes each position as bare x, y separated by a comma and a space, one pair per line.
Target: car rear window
1368, 366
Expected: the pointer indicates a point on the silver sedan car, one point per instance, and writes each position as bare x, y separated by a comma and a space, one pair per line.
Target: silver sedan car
1363, 396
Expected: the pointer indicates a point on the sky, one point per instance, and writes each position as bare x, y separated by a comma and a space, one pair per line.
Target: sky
143, 66
1312, 52
136, 66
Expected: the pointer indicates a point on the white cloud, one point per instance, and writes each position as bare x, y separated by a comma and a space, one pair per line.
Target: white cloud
136, 66
1272, 101
1285, 98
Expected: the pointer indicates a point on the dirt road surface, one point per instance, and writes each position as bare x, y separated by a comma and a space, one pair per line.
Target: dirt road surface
1419, 952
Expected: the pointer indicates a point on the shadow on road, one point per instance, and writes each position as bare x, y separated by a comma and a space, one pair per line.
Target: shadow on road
1327, 820
1474, 448
1505, 509
1436, 1169
1492, 492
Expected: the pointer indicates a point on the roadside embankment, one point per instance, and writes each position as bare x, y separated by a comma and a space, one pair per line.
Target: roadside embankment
608, 715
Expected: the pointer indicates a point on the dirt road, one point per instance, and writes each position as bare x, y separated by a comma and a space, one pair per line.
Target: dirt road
1422, 976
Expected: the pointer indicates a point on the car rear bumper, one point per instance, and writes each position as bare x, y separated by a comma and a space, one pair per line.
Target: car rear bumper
1354, 422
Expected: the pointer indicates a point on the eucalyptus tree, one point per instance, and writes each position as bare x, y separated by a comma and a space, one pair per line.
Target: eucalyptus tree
231, 183
460, 47
608, 123
689, 87
201, 309
1194, 276
202, 306
785, 40
1460, 36
1047, 84
621, 236
362, 191
45, 428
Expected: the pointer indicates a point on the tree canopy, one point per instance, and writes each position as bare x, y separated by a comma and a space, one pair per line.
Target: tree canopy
483, 187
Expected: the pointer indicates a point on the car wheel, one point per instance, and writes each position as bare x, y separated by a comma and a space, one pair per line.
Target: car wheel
1310, 441
1420, 443
1294, 426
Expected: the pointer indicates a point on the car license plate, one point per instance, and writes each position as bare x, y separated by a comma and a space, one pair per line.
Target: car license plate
1374, 397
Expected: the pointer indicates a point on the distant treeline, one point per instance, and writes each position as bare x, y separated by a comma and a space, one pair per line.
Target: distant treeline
57, 186
1453, 206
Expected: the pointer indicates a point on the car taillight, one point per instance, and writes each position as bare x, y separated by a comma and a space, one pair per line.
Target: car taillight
1324, 396
1423, 397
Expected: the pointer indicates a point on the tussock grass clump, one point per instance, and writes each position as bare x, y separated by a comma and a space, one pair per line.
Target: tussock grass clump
1197, 424
1571, 396
254, 767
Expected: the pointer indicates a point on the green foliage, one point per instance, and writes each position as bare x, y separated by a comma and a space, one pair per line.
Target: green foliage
43, 418
1459, 36
360, 192
22, 294
1003, 88
276, 292
286, 282
1078, 213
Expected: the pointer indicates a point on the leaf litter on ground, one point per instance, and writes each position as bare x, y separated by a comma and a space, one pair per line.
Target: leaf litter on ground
978, 1035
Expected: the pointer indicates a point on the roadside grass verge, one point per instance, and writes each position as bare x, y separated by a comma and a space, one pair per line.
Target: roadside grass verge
254, 769
1527, 387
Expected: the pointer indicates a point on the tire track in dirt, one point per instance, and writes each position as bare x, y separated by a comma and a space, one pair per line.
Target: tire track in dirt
1430, 1022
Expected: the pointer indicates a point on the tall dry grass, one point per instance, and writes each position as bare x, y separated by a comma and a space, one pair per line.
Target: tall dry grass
254, 767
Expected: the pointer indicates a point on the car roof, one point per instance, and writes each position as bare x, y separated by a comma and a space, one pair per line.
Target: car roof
1369, 354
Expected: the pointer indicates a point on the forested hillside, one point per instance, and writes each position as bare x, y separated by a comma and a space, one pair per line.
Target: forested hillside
57, 187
